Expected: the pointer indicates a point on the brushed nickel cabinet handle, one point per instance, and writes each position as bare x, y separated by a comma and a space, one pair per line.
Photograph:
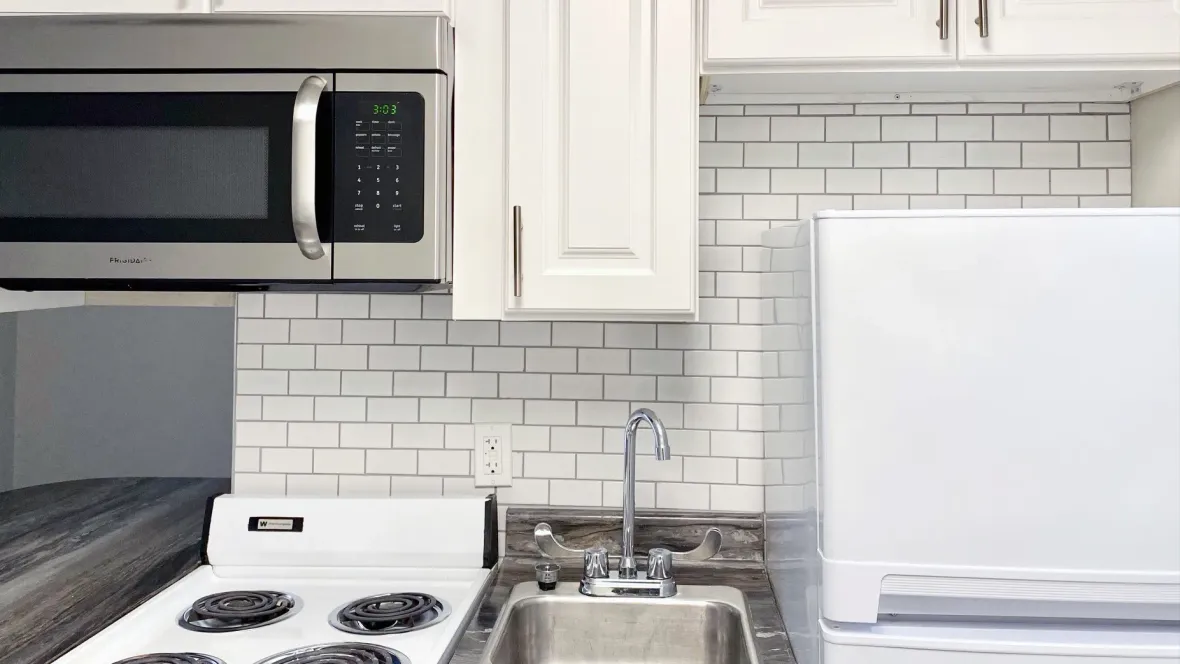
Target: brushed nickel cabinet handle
517, 228
981, 20
944, 24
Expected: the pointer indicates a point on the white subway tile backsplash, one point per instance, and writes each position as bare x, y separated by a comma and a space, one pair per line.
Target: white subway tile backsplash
743, 129
290, 305
288, 357
392, 409
367, 332
340, 409
288, 409
472, 385
908, 128
1075, 181
1021, 128
1118, 127
796, 129
965, 181
772, 155
339, 461
720, 155
420, 332
262, 382
315, 331
369, 435
447, 358
381, 394
825, 155
1022, 181
577, 493
585, 335
248, 407
313, 434
1111, 154
840, 128
343, 305
405, 358
1077, 128
1050, 155
366, 383
932, 155
419, 384
524, 334
340, 357
964, 128
854, 180
364, 486
395, 306
993, 155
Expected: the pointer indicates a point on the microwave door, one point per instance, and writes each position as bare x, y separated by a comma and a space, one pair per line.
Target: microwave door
138, 178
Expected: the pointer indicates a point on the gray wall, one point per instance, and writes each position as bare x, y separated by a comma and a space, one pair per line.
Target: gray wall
123, 391
7, 397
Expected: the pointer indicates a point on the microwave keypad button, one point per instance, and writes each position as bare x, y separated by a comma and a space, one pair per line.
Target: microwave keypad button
377, 137
361, 150
376, 150
395, 137
362, 137
393, 151
393, 125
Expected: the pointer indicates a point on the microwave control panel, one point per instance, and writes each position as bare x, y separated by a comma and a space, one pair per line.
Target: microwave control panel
380, 166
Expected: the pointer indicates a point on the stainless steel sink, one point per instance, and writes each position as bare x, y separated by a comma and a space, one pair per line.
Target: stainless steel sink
700, 625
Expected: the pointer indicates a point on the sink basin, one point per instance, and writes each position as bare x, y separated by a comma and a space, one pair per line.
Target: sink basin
700, 625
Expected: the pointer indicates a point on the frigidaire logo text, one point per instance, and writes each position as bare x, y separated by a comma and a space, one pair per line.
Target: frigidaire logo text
130, 261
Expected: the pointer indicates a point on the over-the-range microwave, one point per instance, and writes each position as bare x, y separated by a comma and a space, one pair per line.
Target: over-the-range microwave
225, 152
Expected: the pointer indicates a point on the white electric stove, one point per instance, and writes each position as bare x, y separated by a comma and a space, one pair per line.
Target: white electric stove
316, 580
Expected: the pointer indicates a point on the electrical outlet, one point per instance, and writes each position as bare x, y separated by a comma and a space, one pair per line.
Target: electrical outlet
493, 455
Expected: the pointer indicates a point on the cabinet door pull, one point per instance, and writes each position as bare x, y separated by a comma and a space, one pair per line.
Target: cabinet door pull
981, 20
944, 25
517, 227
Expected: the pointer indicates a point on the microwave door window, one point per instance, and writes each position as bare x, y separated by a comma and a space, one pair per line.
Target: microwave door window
141, 173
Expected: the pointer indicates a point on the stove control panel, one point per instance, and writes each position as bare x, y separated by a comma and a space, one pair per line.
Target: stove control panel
380, 166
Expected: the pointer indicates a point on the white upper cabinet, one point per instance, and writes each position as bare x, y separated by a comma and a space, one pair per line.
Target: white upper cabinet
1069, 29
602, 143
761, 32
102, 6
334, 6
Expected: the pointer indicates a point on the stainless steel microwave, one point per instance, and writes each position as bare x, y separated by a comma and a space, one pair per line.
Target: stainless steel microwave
225, 152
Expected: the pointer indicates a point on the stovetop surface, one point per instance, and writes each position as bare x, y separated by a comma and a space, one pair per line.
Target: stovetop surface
154, 627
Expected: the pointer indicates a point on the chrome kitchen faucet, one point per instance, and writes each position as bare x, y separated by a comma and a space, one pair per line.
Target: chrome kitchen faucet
656, 580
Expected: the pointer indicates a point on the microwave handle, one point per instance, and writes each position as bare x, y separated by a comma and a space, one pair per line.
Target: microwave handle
303, 164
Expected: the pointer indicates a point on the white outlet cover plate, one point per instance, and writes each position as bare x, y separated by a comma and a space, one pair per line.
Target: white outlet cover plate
482, 476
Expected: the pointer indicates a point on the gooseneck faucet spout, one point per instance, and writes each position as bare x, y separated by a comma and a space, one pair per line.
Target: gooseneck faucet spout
627, 567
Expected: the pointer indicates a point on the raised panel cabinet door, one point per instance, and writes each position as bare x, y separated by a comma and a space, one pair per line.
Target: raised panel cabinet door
602, 143
103, 6
335, 6
757, 33
1070, 30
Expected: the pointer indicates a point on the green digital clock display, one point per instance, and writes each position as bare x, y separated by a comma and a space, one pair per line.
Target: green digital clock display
384, 109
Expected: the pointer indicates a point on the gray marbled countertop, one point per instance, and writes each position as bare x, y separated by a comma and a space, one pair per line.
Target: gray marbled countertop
740, 566
75, 556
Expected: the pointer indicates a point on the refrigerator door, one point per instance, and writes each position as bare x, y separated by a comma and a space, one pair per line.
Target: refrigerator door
998, 404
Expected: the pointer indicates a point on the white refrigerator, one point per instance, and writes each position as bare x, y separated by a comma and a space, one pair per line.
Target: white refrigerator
997, 436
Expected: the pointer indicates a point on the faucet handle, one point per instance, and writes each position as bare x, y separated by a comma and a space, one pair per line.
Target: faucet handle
595, 564
549, 545
659, 564
705, 550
